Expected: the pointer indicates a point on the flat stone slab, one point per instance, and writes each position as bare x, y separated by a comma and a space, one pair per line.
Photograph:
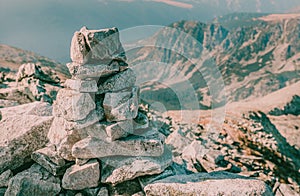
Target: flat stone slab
122, 80
82, 86
34, 181
72, 105
95, 71
121, 105
149, 144
118, 169
96, 45
81, 177
215, 183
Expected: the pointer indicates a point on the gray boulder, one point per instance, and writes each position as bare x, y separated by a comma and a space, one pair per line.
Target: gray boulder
123, 80
21, 135
122, 105
96, 45
81, 177
34, 181
72, 105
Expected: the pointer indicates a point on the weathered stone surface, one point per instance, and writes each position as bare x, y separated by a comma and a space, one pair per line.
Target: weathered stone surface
5, 177
32, 70
210, 160
119, 169
119, 130
97, 131
285, 189
2, 191
92, 70
122, 105
215, 183
57, 131
34, 108
82, 86
103, 192
20, 136
96, 45
64, 149
34, 181
117, 82
126, 188
94, 117
149, 144
81, 177
73, 106
49, 159
141, 121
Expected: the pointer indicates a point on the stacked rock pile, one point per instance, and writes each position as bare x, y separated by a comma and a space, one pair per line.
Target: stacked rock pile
97, 122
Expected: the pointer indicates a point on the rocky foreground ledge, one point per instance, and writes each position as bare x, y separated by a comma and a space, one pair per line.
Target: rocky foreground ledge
95, 140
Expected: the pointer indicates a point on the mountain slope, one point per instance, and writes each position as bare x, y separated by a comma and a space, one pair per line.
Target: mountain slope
254, 60
12, 58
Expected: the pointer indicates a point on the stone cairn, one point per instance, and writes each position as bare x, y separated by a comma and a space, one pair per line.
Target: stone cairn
99, 135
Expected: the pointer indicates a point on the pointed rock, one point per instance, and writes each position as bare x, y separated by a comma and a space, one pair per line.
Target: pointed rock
81, 177
149, 144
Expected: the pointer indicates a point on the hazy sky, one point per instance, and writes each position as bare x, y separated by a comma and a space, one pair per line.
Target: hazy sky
46, 26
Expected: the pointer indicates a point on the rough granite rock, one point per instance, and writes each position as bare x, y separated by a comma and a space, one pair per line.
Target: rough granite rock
57, 131
122, 105
35, 108
94, 71
49, 159
141, 121
119, 130
96, 45
149, 144
32, 70
81, 177
72, 105
103, 192
215, 183
122, 80
82, 86
64, 149
5, 177
118, 169
21, 135
34, 181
